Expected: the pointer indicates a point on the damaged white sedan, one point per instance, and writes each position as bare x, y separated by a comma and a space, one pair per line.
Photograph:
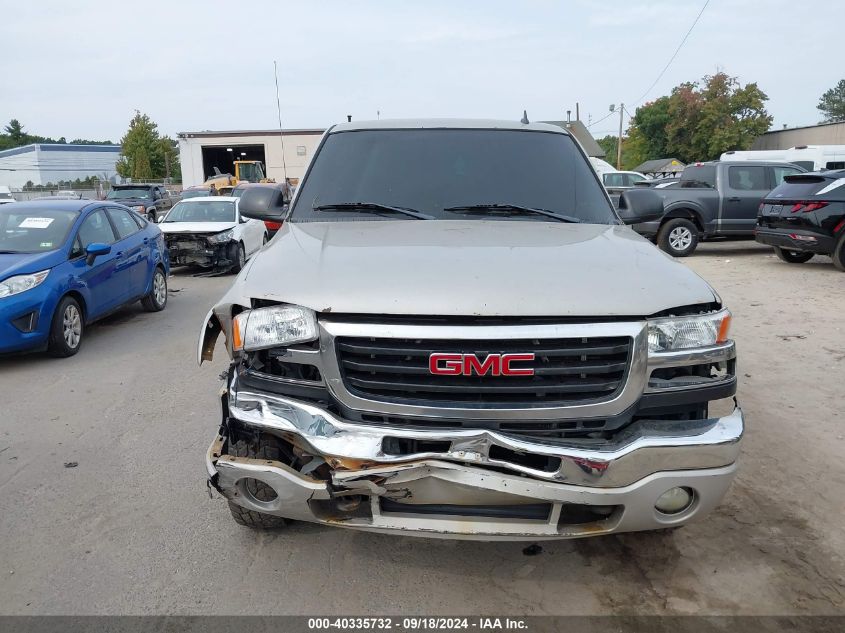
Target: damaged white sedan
211, 233
445, 340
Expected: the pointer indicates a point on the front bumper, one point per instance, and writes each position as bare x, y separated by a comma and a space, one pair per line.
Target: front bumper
474, 483
206, 255
25, 318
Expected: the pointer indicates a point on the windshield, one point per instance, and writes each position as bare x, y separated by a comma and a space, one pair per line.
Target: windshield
203, 211
251, 172
122, 194
431, 171
34, 230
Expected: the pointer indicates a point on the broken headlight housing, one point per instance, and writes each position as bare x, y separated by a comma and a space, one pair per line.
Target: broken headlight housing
224, 236
275, 326
669, 334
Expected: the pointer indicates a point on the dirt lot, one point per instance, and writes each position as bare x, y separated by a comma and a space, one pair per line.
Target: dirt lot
130, 528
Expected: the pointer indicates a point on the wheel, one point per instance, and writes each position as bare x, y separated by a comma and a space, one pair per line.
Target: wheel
678, 237
66, 329
838, 254
268, 447
151, 216
239, 257
792, 257
157, 298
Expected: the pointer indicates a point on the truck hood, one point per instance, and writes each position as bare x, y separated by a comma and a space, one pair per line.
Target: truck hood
195, 227
475, 267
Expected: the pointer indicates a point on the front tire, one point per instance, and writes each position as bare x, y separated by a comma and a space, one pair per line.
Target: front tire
239, 257
156, 300
792, 257
66, 329
267, 447
678, 237
151, 216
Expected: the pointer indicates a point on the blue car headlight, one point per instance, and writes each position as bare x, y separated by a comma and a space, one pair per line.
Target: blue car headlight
21, 283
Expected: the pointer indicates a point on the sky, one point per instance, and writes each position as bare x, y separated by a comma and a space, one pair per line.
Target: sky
81, 69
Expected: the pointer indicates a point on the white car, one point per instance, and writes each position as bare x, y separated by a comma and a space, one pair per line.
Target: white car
621, 179
5, 195
210, 232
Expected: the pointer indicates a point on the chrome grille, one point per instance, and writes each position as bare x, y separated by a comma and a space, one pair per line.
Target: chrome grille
567, 371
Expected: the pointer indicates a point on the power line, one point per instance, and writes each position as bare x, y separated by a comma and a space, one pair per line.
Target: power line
662, 72
675, 54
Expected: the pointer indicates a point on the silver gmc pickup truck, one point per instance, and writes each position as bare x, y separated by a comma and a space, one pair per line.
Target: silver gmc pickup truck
454, 334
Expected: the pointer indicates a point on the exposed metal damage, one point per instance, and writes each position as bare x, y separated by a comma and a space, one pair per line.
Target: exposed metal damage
337, 472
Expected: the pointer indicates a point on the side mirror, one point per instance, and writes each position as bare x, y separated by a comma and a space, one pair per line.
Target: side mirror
263, 203
94, 250
637, 206
160, 219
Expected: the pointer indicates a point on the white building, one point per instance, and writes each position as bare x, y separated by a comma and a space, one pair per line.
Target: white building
44, 163
201, 152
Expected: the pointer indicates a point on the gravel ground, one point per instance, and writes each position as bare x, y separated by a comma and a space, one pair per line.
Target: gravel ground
130, 529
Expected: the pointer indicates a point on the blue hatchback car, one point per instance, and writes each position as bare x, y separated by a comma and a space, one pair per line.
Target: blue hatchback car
65, 264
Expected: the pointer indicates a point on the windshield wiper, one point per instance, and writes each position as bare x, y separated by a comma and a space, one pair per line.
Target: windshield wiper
513, 209
371, 206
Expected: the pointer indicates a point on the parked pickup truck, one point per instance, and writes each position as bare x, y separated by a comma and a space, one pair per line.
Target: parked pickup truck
454, 334
715, 199
151, 201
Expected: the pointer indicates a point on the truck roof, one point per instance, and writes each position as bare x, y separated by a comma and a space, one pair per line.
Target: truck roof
457, 124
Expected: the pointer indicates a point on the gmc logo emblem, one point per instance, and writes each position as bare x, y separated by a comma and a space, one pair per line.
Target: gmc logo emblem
467, 364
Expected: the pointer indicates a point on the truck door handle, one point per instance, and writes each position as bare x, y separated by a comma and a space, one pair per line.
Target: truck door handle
146, 240
734, 199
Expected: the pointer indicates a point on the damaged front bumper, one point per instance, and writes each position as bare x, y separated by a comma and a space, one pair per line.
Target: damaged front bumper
472, 483
198, 251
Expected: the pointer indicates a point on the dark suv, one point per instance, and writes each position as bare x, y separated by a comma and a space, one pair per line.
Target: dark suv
805, 216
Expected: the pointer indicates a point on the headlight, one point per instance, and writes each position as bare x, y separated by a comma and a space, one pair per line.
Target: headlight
21, 283
140, 209
225, 236
273, 326
688, 332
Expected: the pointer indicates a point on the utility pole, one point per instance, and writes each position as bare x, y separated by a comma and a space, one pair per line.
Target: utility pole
167, 167
619, 139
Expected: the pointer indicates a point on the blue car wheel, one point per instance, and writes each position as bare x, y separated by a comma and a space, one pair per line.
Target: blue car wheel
66, 329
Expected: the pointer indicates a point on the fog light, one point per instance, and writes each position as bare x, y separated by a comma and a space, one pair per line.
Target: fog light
674, 500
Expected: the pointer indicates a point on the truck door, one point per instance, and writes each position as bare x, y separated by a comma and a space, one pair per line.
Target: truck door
746, 186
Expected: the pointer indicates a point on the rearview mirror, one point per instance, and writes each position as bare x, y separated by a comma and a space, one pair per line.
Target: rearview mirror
94, 250
637, 206
263, 203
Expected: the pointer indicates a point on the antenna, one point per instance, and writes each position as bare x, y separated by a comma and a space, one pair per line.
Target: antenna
281, 133
524, 119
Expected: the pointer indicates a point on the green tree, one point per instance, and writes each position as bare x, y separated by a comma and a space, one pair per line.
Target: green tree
832, 103
145, 153
608, 145
15, 132
699, 121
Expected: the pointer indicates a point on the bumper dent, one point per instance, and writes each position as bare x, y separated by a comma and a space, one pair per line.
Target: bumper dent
599, 487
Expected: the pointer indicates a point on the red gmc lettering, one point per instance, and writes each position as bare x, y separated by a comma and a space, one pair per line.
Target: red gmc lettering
467, 364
